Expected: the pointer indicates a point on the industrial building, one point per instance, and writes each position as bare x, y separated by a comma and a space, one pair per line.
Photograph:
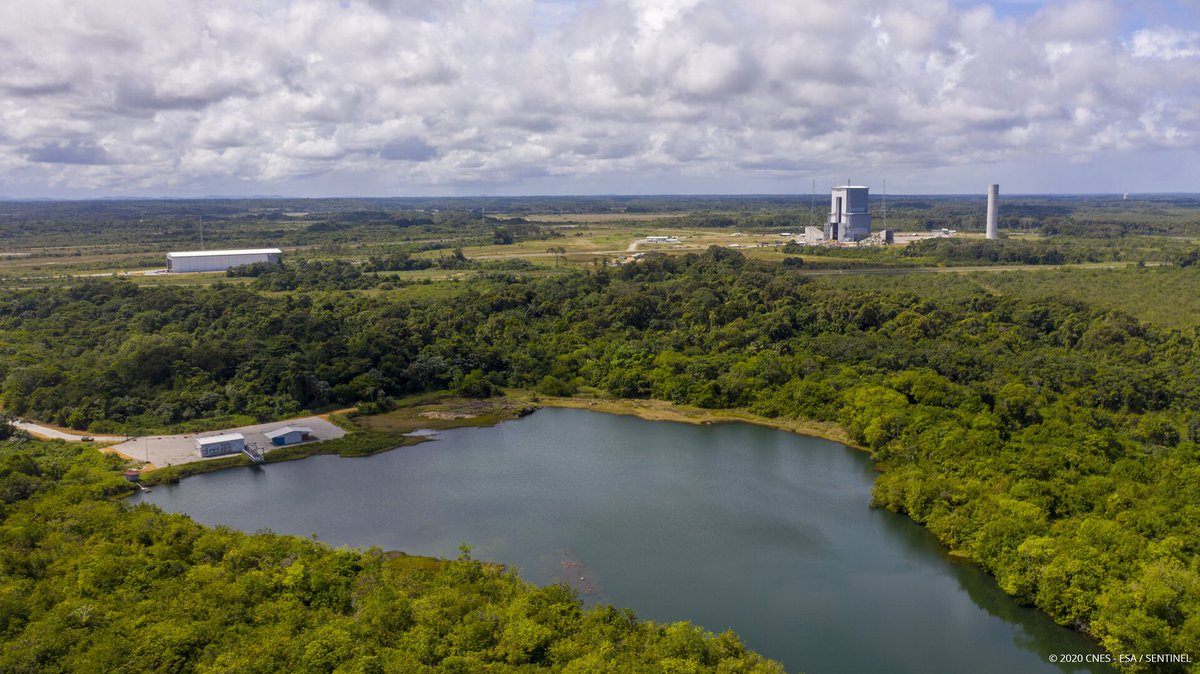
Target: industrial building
220, 260
849, 214
884, 237
289, 435
219, 445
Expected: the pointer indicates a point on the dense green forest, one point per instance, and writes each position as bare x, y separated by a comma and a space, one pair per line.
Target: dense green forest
90, 584
1052, 441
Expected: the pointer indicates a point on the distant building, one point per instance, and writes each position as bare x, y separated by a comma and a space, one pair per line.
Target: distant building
217, 445
220, 260
884, 237
849, 214
813, 235
289, 435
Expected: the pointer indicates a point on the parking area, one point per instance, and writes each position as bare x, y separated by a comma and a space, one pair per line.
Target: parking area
167, 450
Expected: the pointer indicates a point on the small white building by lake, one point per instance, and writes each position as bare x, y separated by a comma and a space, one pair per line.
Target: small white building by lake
218, 445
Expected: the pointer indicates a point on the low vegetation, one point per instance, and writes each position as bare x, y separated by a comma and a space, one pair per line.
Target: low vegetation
46, 241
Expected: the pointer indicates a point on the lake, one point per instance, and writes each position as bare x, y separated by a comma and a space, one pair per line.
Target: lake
727, 526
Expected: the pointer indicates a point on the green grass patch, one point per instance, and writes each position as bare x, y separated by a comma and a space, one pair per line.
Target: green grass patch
175, 473
438, 411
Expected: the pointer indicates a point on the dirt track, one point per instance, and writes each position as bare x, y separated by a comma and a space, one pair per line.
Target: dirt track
51, 433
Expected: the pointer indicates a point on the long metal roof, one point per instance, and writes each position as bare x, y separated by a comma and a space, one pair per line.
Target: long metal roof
211, 253
227, 437
287, 429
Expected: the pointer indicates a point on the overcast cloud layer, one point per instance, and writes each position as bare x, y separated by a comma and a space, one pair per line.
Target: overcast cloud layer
393, 97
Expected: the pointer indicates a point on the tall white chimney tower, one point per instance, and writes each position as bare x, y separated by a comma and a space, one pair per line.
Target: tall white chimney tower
993, 197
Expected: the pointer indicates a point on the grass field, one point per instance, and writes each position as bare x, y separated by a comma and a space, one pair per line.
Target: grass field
438, 412
1165, 296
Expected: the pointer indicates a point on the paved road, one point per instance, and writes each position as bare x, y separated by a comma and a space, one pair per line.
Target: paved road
55, 434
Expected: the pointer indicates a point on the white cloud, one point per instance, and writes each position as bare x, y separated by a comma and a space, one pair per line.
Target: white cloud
1076, 20
1165, 43
127, 95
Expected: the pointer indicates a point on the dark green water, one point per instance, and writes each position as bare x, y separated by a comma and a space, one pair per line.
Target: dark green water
729, 526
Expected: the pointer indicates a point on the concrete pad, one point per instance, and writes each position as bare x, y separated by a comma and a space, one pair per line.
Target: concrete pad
167, 450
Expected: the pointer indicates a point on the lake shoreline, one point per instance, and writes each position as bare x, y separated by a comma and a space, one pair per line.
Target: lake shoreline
372, 434
662, 410
369, 435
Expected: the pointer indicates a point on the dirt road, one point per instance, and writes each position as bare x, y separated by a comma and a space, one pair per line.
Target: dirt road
55, 434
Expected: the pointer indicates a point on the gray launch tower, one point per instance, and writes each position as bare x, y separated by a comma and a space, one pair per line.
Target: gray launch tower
849, 216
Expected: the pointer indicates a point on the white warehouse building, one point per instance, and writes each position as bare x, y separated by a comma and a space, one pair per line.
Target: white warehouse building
217, 445
220, 260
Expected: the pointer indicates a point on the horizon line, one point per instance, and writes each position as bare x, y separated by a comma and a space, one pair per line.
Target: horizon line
278, 197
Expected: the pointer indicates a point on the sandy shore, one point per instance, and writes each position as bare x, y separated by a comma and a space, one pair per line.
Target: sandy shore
661, 410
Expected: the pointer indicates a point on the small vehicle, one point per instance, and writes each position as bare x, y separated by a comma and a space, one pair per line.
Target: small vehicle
87, 438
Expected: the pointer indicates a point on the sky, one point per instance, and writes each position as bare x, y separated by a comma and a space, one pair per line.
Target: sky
536, 97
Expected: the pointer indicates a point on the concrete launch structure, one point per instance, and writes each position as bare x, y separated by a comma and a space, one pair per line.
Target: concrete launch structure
220, 260
992, 224
849, 214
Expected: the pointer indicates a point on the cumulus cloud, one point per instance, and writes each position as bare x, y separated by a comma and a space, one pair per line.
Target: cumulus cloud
127, 95
1165, 43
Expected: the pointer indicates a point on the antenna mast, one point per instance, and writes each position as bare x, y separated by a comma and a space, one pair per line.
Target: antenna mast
812, 204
